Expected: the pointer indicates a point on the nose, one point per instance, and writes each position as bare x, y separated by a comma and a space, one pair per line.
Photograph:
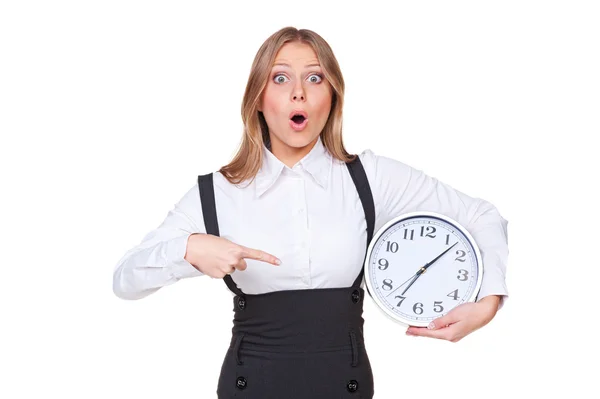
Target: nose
298, 93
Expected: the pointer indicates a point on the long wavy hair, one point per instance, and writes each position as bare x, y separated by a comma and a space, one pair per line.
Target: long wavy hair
247, 161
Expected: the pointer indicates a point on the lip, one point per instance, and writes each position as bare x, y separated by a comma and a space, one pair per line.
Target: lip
298, 126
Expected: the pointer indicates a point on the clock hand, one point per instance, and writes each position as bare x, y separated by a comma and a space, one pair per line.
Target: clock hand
411, 277
424, 268
411, 283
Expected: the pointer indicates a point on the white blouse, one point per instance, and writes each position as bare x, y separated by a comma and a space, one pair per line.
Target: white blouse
311, 218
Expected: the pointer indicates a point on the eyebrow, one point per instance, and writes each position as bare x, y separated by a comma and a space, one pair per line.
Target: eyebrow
289, 66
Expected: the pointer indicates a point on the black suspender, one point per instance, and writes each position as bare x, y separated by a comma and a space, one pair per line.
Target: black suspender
359, 177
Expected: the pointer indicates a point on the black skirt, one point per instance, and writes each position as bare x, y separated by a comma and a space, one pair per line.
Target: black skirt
297, 344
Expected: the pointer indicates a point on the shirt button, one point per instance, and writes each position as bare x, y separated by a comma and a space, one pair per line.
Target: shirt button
355, 296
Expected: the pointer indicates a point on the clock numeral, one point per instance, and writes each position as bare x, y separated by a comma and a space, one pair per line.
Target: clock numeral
428, 234
454, 294
463, 275
418, 308
460, 258
412, 234
383, 264
392, 247
387, 283
437, 307
402, 298
447, 239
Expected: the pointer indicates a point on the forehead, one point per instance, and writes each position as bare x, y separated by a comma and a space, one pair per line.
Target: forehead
296, 53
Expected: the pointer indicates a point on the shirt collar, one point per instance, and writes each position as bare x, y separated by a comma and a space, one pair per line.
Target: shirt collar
317, 163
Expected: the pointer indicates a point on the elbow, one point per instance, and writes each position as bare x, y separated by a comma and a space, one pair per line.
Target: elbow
123, 288
120, 288
486, 217
122, 294
486, 211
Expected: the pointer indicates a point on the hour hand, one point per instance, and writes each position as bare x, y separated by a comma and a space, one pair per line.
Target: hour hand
415, 277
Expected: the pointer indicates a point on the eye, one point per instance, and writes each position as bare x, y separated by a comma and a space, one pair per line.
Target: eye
316, 78
279, 78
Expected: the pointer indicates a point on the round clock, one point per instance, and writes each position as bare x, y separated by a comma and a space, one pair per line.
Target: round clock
421, 265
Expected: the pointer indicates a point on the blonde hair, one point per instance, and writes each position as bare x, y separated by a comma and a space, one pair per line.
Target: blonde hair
247, 161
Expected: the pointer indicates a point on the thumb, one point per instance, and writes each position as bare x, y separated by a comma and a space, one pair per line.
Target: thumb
444, 321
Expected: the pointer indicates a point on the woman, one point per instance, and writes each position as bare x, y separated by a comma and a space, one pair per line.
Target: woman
286, 224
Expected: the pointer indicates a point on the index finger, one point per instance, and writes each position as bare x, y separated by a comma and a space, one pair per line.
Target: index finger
257, 254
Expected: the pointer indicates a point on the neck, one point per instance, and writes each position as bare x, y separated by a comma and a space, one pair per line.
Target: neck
290, 155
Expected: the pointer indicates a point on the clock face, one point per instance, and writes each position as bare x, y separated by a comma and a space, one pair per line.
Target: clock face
420, 266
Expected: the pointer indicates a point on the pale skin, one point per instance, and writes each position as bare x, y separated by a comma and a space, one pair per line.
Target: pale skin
297, 82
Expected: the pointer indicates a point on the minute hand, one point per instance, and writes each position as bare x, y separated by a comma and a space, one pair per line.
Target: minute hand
436, 258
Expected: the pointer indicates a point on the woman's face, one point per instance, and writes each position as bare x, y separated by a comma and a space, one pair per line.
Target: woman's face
296, 85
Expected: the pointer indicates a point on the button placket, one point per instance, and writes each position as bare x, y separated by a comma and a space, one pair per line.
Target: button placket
302, 218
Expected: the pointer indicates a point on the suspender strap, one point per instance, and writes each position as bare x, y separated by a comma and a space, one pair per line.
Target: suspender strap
209, 212
359, 177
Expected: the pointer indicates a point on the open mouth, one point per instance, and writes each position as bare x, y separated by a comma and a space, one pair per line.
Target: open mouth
298, 119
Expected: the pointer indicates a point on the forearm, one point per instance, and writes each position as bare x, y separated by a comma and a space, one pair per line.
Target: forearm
147, 268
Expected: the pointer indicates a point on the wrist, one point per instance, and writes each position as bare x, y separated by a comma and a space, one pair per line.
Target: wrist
191, 255
490, 305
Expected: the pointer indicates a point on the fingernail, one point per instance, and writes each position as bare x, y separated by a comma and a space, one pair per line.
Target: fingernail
431, 325
278, 262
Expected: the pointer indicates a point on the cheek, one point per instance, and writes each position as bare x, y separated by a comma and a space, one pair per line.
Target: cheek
323, 103
271, 102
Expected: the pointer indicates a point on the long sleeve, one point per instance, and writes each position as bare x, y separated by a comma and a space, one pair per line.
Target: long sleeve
158, 260
399, 188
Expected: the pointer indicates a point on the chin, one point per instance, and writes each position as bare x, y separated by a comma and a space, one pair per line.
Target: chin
295, 139
300, 139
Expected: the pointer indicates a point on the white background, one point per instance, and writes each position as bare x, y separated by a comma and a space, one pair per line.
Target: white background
109, 110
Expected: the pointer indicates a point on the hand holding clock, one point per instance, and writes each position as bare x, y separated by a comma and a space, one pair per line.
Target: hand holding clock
460, 321
427, 309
